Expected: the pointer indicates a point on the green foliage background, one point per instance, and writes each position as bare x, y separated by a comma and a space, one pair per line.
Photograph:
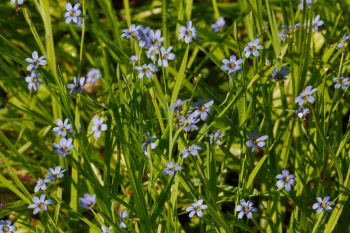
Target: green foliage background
115, 168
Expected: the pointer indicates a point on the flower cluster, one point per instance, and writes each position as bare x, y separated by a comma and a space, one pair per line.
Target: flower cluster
33, 80
199, 111
289, 31
65, 145
156, 52
216, 137
40, 203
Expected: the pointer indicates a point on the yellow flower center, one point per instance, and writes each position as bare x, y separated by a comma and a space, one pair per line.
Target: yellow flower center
6, 229
41, 205
202, 108
232, 66
73, 13
253, 48
245, 209
323, 204
189, 32
286, 179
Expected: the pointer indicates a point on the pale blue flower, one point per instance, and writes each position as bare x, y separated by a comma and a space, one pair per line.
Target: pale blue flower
197, 208
171, 168
280, 74
56, 173
165, 56
317, 22
178, 106
40, 185
77, 86
98, 126
33, 81
62, 127
283, 34
40, 204
216, 137
93, 75
64, 147
202, 109
231, 65
154, 39
256, 141
342, 82
253, 48
6, 226
142, 36
106, 229
88, 201
218, 25
308, 4
245, 208
302, 113
146, 69
73, 13
188, 32
286, 180
193, 150
18, 2
134, 60
288, 30
344, 39
122, 215
323, 204
152, 53
189, 123
131, 32
148, 142
306, 95
35, 61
